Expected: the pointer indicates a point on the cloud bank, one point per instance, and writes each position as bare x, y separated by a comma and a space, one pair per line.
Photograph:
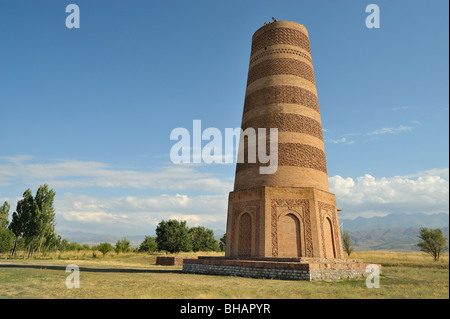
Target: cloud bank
425, 192
80, 208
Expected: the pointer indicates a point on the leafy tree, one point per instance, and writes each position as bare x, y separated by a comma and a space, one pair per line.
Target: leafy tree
6, 240
202, 239
45, 219
223, 242
105, 248
64, 244
21, 218
30, 219
148, 245
34, 220
6, 235
53, 242
4, 212
347, 243
432, 242
173, 236
122, 246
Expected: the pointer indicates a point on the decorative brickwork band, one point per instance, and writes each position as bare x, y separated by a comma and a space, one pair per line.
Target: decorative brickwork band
281, 94
279, 51
286, 122
281, 66
281, 36
294, 154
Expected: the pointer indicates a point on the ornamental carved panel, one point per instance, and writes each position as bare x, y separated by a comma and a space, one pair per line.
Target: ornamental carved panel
300, 206
327, 214
245, 226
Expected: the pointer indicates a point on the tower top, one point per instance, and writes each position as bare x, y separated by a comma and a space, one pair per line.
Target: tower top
280, 24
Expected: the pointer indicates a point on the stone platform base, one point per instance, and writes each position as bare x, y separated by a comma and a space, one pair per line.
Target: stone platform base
278, 268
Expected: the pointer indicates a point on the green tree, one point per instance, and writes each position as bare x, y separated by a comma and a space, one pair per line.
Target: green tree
63, 244
173, 236
53, 242
30, 218
223, 242
6, 240
432, 242
6, 235
4, 212
202, 239
34, 220
148, 245
45, 217
122, 246
347, 243
21, 218
105, 248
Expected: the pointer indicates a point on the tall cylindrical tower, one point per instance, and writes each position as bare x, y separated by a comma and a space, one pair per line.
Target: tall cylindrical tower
281, 93
289, 213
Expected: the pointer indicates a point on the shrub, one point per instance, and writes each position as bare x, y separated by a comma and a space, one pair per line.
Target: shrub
105, 248
148, 245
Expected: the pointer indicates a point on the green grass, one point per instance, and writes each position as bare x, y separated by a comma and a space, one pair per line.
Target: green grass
404, 275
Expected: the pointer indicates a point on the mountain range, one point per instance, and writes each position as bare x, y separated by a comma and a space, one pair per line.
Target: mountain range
396, 221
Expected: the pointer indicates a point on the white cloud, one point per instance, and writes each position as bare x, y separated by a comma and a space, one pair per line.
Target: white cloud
342, 140
92, 217
426, 192
68, 173
391, 130
377, 132
138, 214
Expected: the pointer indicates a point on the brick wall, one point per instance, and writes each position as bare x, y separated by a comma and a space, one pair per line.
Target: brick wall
169, 261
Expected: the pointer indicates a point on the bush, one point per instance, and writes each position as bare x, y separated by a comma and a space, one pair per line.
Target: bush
105, 248
347, 243
203, 239
122, 246
223, 242
148, 245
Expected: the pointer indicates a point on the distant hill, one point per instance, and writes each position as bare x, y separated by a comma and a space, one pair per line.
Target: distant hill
394, 239
396, 232
396, 221
95, 239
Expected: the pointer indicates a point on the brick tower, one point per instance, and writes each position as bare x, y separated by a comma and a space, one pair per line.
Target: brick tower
282, 225
289, 213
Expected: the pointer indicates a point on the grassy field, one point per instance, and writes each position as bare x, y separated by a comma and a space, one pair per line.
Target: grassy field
133, 275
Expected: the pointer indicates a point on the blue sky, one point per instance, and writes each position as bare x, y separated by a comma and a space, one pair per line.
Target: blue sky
90, 110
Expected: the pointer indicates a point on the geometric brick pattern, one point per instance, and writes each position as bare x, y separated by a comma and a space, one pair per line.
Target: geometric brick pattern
295, 155
264, 53
286, 122
281, 36
280, 66
281, 94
